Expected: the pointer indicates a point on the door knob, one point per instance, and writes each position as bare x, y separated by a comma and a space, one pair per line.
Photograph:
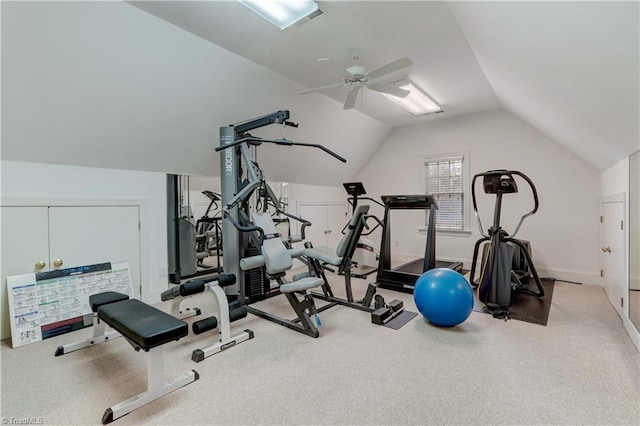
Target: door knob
40, 264
606, 249
57, 263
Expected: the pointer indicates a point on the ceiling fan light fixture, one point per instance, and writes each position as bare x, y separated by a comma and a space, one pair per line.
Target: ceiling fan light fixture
417, 102
282, 13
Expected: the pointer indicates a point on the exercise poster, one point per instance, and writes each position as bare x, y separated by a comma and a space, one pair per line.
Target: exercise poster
46, 304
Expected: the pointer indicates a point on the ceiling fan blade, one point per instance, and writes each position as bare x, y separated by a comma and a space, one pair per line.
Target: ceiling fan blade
350, 102
389, 90
396, 65
315, 89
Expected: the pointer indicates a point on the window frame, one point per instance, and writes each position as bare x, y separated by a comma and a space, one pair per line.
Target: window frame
466, 192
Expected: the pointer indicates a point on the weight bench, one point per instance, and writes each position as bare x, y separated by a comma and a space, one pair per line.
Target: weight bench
100, 333
146, 328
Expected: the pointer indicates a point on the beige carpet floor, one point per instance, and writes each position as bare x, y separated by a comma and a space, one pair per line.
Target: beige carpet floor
581, 368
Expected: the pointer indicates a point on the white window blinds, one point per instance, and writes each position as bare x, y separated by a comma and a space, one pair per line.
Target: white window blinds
445, 182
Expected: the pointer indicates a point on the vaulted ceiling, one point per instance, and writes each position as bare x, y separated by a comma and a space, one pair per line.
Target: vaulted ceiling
570, 69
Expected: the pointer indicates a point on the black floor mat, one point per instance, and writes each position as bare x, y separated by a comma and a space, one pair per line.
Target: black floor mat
525, 307
401, 320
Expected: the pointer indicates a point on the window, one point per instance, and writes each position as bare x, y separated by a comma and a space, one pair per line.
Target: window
445, 179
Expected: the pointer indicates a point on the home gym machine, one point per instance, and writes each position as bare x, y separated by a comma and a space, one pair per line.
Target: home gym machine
244, 240
364, 258
404, 277
506, 262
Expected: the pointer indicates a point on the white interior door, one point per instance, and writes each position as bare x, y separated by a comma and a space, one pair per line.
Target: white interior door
86, 235
327, 218
336, 220
317, 215
25, 243
612, 251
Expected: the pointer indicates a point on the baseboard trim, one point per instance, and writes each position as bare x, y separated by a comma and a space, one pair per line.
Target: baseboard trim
582, 277
632, 331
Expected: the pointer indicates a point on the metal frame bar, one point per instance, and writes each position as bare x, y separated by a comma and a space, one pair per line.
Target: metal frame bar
99, 335
156, 386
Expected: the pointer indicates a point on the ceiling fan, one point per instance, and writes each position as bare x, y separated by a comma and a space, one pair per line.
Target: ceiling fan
357, 76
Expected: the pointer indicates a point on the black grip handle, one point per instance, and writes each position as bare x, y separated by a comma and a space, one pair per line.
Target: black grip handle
172, 293
237, 313
192, 287
203, 325
226, 280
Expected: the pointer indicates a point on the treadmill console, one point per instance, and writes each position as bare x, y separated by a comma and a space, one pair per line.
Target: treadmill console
420, 201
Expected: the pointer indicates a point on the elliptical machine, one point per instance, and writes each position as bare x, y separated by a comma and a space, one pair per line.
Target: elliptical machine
506, 261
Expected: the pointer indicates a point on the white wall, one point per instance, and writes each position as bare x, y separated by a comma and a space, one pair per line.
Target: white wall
564, 232
105, 84
615, 179
55, 182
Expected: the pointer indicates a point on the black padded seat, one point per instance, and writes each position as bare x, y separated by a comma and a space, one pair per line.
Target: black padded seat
105, 298
142, 324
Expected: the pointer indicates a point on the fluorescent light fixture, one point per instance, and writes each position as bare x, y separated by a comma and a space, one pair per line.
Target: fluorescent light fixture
282, 13
417, 102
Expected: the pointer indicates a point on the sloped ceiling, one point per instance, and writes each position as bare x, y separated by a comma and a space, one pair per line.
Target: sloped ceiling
104, 84
426, 32
570, 69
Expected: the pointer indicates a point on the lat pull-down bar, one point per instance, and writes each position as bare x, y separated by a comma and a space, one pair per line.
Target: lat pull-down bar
256, 141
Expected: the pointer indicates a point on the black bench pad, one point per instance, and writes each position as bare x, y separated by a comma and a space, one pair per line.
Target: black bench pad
142, 324
105, 298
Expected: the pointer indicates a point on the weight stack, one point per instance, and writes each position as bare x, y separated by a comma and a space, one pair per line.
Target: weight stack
256, 281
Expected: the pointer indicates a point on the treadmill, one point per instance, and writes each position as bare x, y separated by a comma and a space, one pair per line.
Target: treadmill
404, 277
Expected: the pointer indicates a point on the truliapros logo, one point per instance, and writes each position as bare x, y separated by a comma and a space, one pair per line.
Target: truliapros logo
228, 162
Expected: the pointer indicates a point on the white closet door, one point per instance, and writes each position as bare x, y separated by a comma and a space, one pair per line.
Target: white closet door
86, 235
25, 242
328, 219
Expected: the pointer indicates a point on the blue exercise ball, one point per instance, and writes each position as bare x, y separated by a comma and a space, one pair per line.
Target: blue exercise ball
443, 297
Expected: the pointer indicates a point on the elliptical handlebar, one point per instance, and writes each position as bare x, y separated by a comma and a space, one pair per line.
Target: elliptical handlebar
509, 173
535, 200
475, 205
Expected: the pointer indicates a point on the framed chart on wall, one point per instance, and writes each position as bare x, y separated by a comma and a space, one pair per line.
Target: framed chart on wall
47, 304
